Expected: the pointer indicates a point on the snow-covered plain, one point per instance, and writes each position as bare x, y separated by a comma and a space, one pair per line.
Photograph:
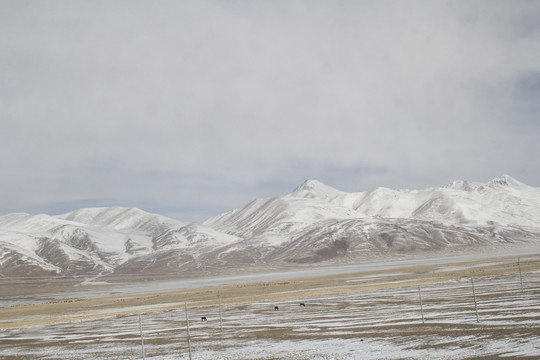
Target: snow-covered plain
382, 324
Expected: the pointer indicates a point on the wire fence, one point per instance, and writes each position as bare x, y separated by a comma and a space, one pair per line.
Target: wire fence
489, 306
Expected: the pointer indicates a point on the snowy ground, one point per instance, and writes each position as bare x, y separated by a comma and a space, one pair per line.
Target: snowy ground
382, 324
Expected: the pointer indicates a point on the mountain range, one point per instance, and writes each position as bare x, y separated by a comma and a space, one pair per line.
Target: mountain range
314, 224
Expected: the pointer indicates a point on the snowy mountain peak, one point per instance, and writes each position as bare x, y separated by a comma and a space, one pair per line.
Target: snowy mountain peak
101, 214
118, 218
28, 223
507, 181
314, 223
314, 189
91, 241
464, 185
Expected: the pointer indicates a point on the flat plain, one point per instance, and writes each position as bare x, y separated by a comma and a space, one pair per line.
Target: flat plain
352, 315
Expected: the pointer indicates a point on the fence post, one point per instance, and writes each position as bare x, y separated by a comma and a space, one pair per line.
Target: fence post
421, 307
520, 277
188, 334
220, 321
142, 338
474, 297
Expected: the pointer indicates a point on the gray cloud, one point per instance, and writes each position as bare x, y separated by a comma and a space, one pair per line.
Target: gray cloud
200, 106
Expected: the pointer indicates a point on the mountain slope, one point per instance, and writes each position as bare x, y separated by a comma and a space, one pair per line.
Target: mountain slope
314, 224
95, 241
503, 201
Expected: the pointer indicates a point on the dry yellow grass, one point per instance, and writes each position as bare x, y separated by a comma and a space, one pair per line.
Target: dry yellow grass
75, 310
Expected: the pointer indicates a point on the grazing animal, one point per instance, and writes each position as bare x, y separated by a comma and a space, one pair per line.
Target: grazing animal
276, 307
302, 304
203, 318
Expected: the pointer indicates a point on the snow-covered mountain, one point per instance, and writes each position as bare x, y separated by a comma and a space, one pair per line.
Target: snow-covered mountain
503, 201
102, 240
313, 224
318, 223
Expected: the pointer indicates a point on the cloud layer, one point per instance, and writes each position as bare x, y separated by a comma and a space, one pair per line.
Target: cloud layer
192, 108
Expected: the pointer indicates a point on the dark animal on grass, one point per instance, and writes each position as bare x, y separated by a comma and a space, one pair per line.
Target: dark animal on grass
203, 318
302, 304
276, 307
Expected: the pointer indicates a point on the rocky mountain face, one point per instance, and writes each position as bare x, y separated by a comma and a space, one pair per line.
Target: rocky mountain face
314, 224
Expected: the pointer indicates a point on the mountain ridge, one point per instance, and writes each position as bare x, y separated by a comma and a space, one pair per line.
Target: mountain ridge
313, 224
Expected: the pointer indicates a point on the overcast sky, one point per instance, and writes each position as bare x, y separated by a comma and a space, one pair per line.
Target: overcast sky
193, 108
